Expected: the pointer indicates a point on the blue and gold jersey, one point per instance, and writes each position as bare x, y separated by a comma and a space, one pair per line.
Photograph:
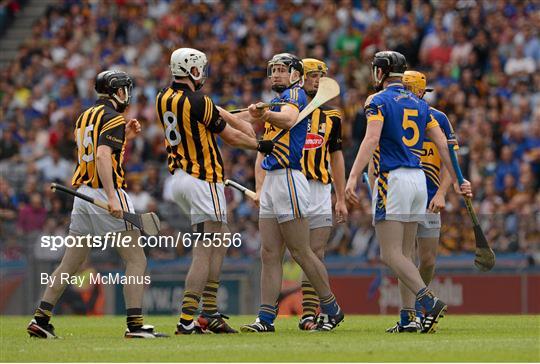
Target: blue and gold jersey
431, 159
289, 144
405, 119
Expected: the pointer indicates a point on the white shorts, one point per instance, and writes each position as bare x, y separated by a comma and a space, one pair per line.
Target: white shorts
320, 204
201, 200
401, 195
430, 227
284, 195
87, 218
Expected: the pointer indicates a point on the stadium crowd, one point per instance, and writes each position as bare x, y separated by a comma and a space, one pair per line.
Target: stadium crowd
481, 57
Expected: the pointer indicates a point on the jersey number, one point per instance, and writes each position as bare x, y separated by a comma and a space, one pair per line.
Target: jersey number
86, 142
410, 124
171, 132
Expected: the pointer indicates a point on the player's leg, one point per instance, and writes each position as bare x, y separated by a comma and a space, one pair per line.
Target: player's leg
406, 201
427, 255
408, 322
73, 258
318, 238
196, 279
272, 250
428, 242
205, 204
80, 225
320, 226
293, 202
211, 319
391, 238
296, 236
135, 267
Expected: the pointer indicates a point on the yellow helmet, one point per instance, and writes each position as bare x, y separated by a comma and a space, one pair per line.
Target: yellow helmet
314, 65
416, 82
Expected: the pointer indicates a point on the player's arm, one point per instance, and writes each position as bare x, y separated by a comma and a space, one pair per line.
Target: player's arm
111, 138
371, 174
365, 153
283, 119
337, 163
260, 174
238, 139
245, 115
437, 136
236, 122
206, 112
438, 201
104, 168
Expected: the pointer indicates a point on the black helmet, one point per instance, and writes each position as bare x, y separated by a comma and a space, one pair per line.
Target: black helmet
289, 60
391, 63
108, 82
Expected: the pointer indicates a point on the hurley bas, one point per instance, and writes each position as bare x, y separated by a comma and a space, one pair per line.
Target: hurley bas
93, 278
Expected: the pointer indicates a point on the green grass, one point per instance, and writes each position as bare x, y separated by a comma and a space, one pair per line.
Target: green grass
359, 338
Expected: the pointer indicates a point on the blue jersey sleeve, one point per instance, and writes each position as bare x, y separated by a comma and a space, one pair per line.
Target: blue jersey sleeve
374, 108
295, 96
444, 123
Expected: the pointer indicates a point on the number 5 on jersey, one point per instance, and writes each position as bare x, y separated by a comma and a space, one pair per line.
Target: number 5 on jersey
84, 140
410, 124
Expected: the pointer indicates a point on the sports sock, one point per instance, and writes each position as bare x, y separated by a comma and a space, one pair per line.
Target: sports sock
329, 305
209, 298
190, 304
267, 314
310, 300
43, 313
134, 318
407, 315
426, 298
419, 310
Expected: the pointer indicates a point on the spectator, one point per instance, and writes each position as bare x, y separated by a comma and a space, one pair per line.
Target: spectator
519, 64
54, 167
32, 216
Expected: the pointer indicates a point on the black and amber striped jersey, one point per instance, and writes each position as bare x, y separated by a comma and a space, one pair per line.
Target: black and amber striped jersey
99, 125
430, 157
190, 121
323, 138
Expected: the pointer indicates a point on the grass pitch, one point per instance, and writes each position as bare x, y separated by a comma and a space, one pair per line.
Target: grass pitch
359, 338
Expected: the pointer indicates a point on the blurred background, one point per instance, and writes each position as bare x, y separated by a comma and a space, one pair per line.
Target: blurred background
481, 57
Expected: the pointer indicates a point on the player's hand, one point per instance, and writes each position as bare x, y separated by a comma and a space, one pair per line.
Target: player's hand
350, 192
133, 128
256, 111
465, 189
257, 198
265, 146
114, 208
437, 203
341, 211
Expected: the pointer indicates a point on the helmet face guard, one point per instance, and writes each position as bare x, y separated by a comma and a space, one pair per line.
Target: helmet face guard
292, 63
313, 66
182, 62
109, 82
203, 75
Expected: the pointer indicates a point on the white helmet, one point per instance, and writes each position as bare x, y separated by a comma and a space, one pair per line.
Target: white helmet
183, 59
